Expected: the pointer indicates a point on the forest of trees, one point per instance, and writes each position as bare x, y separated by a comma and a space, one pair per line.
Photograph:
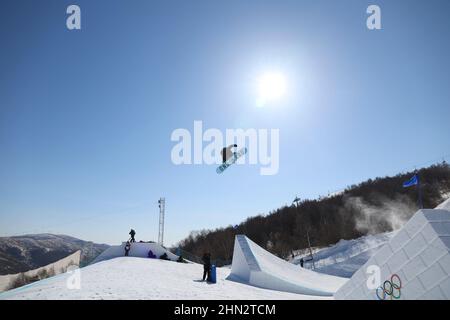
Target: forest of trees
373, 206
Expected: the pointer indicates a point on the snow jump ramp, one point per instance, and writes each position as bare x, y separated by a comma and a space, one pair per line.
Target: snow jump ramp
255, 266
137, 249
414, 264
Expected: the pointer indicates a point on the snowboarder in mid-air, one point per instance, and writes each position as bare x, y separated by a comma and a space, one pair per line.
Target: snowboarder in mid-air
230, 157
132, 234
206, 266
227, 153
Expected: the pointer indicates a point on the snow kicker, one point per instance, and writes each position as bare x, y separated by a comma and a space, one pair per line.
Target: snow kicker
255, 266
138, 249
414, 264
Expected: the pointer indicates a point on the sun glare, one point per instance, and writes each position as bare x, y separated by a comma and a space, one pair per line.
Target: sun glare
271, 87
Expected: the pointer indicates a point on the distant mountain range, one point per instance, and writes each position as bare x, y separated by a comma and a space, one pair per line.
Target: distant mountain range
23, 253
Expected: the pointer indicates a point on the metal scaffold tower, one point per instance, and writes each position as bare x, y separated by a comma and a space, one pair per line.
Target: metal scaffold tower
162, 205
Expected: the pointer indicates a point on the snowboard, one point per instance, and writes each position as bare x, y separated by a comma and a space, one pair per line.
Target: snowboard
231, 161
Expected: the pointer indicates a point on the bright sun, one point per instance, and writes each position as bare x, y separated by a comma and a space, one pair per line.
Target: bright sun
271, 86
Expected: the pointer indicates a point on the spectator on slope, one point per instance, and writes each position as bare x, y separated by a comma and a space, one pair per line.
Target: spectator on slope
127, 248
132, 234
164, 256
206, 266
301, 262
151, 254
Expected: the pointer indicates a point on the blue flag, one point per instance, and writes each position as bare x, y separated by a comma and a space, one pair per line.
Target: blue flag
411, 182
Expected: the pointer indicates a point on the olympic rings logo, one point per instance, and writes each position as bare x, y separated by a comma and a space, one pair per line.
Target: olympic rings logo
391, 289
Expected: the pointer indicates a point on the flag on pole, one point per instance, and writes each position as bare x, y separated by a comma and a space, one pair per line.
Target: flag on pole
414, 181
411, 182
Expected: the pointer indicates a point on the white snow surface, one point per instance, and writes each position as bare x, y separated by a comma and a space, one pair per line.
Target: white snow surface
418, 256
118, 277
345, 257
444, 205
137, 249
255, 266
143, 278
138, 277
57, 267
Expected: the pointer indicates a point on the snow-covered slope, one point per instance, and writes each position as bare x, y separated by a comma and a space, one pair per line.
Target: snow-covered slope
255, 266
27, 252
345, 257
143, 278
416, 259
444, 205
118, 277
137, 249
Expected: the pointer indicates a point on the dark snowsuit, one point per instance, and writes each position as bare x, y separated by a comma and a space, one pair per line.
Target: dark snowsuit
127, 249
132, 234
206, 266
301, 262
227, 153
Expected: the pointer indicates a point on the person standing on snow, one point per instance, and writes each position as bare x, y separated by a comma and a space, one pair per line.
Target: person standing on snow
127, 248
206, 266
301, 262
132, 234
227, 153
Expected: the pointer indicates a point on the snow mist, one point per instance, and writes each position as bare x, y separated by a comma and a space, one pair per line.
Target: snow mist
386, 215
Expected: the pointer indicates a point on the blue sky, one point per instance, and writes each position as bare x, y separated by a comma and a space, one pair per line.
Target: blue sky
86, 116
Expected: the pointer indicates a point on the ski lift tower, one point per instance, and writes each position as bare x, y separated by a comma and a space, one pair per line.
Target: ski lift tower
311, 257
162, 206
